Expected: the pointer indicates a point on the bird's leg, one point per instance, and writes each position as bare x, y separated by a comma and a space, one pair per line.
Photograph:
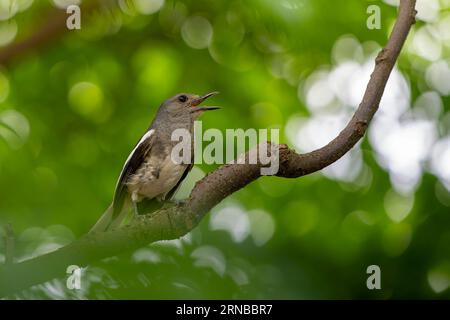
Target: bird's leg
135, 199
170, 221
180, 202
136, 210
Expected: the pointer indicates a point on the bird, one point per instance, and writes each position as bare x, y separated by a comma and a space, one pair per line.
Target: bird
150, 176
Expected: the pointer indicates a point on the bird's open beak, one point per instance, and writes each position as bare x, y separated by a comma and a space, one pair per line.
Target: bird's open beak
199, 100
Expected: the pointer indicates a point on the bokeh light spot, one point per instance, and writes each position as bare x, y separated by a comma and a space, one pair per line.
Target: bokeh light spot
398, 206
63, 4
86, 98
426, 45
233, 219
8, 8
14, 128
262, 226
347, 48
427, 10
438, 77
440, 161
197, 32
24, 4
146, 255
148, 6
428, 105
317, 91
8, 32
210, 257
439, 277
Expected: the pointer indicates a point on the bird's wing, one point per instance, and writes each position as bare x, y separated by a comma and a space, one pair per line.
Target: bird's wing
134, 161
174, 189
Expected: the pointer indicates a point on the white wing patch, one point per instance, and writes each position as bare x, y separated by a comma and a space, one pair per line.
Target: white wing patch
147, 135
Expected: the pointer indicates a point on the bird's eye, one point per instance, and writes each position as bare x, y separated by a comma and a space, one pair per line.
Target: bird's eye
182, 98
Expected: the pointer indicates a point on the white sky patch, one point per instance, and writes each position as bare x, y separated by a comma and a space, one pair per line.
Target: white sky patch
425, 43
317, 91
440, 161
346, 49
316, 132
427, 10
340, 81
428, 105
402, 134
402, 148
443, 27
437, 76
347, 168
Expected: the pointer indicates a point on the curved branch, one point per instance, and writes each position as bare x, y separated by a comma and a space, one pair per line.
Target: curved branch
174, 222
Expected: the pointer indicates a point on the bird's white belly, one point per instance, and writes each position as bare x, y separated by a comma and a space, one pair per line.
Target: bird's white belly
151, 181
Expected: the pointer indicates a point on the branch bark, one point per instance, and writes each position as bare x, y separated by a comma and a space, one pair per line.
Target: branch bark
174, 222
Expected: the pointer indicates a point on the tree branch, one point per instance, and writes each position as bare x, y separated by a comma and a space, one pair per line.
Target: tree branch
174, 222
54, 28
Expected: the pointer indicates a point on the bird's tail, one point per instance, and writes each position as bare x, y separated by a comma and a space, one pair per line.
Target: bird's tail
107, 220
104, 221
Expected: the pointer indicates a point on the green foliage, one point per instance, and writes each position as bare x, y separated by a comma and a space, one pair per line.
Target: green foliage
71, 112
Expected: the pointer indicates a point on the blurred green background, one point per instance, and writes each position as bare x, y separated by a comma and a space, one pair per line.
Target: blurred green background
72, 109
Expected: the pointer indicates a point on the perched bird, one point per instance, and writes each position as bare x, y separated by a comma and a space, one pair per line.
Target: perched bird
149, 174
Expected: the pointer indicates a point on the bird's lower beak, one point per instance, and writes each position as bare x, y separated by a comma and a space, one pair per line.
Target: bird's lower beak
199, 100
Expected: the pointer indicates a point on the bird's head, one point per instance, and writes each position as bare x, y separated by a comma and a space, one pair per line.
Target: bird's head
187, 103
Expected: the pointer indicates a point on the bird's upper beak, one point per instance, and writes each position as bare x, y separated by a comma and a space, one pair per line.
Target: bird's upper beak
196, 102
